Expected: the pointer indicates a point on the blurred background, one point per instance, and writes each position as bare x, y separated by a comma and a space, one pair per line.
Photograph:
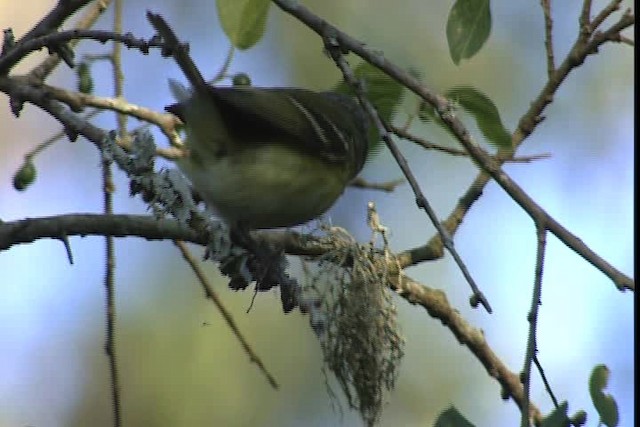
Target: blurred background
179, 363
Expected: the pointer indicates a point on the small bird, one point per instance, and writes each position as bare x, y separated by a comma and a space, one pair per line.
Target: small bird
270, 157
265, 157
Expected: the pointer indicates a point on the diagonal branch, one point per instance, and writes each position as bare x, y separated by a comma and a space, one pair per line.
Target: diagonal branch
480, 156
437, 305
226, 315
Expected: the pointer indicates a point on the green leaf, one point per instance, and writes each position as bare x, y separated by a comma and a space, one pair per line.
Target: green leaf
484, 111
468, 28
605, 404
558, 418
243, 21
384, 93
450, 417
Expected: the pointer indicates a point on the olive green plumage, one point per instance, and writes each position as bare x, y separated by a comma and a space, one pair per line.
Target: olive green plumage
271, 157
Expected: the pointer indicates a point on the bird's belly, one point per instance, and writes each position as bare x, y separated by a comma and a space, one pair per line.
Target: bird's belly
268, 187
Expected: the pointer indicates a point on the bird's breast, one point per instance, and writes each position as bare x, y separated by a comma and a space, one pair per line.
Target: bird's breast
267, 186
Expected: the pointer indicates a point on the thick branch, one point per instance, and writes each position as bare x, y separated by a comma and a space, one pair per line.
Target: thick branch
147, 227
56, 227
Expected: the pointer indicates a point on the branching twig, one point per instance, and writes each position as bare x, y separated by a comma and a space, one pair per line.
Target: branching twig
604, 14
526, 125
434, 248
335, 51
20, 50
77, 101
89, 18
56, 17
404, 133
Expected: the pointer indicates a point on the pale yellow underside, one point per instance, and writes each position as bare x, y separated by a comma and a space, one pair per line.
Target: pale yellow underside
267, 187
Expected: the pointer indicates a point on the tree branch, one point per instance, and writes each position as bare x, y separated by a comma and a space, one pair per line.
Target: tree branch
22, 49
29, 230
437, 305
480, 156
41, 71
147, 227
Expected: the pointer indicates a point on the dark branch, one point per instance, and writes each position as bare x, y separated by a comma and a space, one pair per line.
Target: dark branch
58, 227
20, 50
480, 156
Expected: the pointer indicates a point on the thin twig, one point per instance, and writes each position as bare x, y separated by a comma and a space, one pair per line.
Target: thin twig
108, 189
19, 51
548, 36
547, 386
67, 247
91, 15
627, 40
404, 133
228, 318
532, 317
77, 101
422, 202
222, 72
55, 138
604, 14
110, 302
388, 186
585, 17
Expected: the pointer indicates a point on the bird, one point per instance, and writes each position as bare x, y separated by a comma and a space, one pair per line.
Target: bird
270, 157
264, 157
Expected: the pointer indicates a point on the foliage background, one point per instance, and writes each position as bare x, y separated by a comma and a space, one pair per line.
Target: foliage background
179, 363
